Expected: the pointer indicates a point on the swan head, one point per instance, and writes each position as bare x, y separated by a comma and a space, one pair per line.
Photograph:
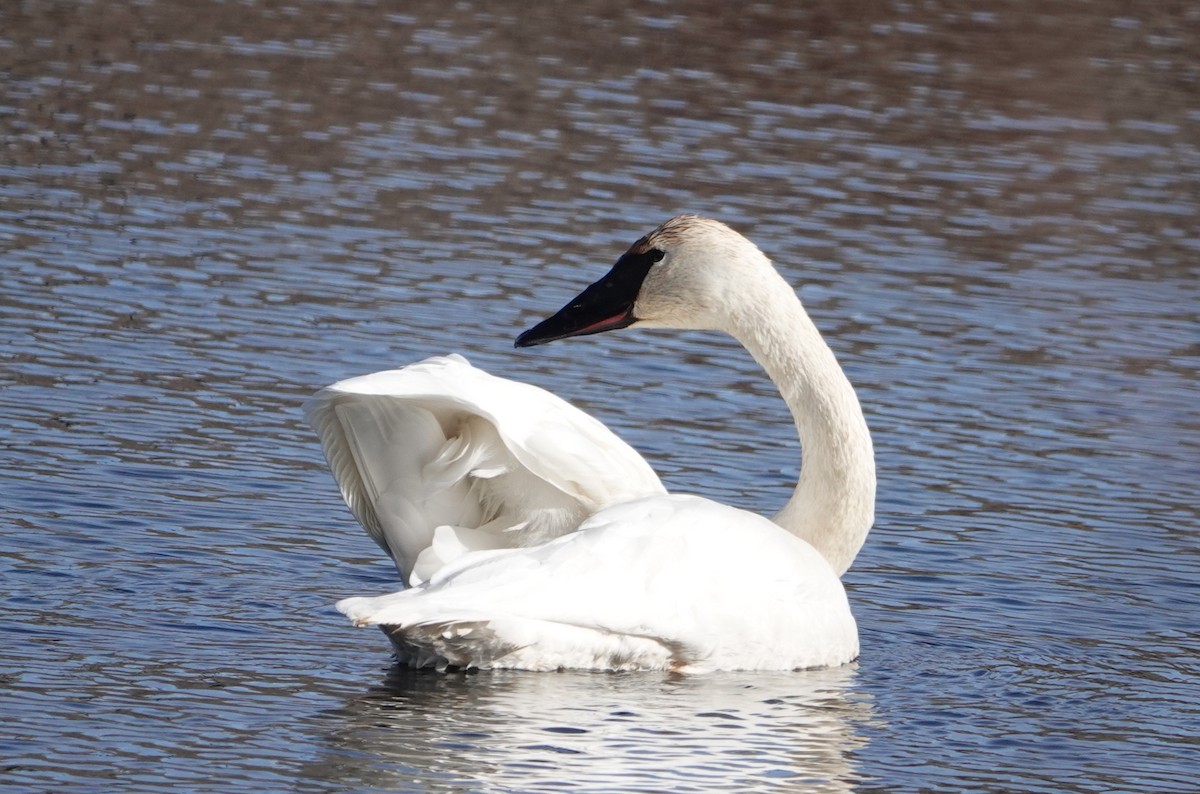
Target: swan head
688, 273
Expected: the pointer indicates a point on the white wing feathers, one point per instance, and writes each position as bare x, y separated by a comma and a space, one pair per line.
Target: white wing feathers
439, 458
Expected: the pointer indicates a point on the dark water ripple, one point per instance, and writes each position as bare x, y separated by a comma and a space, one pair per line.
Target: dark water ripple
205, 215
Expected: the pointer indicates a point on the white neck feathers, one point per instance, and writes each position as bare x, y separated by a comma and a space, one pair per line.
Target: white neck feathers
833, 505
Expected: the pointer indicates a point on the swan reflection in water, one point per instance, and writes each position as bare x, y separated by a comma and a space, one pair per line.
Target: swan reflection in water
510, 730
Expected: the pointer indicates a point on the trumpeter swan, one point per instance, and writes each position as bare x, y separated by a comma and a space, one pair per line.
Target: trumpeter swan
533, 538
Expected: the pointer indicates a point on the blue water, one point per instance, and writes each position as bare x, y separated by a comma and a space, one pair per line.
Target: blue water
206, 215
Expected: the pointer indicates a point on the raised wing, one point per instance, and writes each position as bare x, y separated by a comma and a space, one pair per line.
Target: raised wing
440, 458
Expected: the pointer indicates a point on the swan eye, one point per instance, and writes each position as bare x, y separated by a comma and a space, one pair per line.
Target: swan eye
632, 267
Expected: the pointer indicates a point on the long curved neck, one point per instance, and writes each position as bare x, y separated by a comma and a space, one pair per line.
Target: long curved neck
833, 505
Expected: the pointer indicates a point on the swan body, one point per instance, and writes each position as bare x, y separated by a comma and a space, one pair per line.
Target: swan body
657, 583
646, 581
440, 458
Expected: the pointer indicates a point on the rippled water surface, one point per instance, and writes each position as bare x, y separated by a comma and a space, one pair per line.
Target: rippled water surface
209, 210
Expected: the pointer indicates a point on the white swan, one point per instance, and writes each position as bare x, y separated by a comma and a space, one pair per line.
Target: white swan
651, 581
